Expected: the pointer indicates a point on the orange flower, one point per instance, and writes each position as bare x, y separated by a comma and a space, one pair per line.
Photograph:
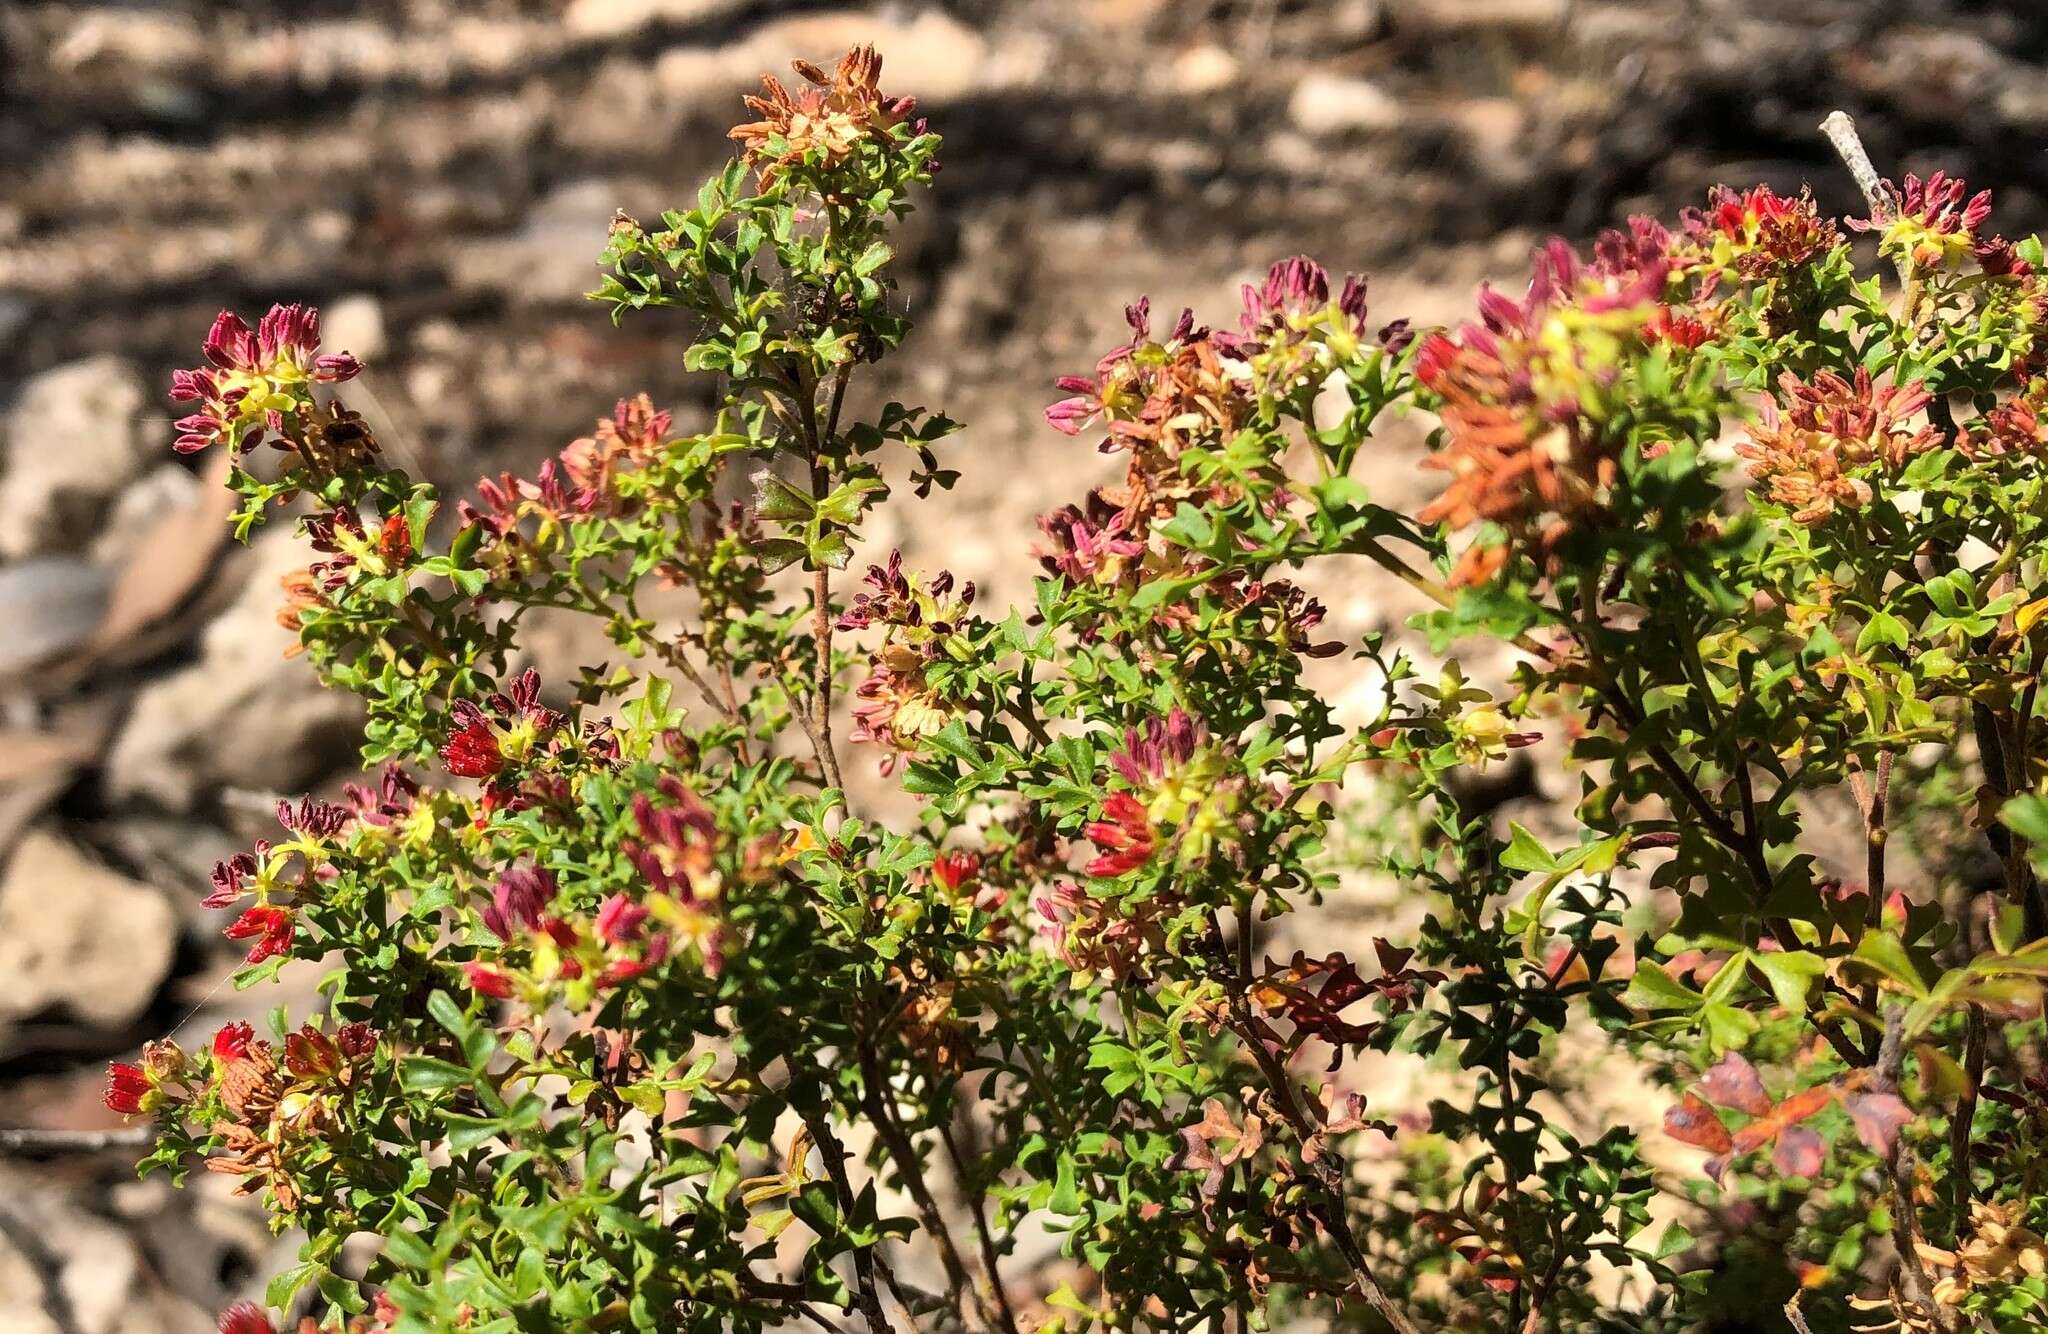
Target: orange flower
822, 123
1815, 453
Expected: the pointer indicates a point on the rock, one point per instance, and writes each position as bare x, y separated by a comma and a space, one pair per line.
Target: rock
166, 489
65, 1271
548, 260
74, 439
607, 19
1204, 69
1470, 16
50, 606
1332, 104
354, 324
79, 937
243, 714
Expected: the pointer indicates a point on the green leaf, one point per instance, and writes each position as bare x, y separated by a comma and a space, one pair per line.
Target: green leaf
1524, 853
2027, 816
430, 1074
1791, 973
1654, 989
1881, 628
449, 1015
1886, 953
778, 500
283, 1287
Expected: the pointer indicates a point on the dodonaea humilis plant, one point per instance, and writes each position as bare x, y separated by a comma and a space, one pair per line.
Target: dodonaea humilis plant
635, 1019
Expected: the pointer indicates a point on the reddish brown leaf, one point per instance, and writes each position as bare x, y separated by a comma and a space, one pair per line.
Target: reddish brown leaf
1799, 1152
1878, 1118
1733, 1082
1693, 1122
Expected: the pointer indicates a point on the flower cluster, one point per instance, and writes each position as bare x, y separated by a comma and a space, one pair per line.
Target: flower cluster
1929, 222
503, 732
266, 873
1153, 398
898, 704
1181, 795
1100, 936
1818, 450
824, 120
258, 378
1758, 234
1525, 395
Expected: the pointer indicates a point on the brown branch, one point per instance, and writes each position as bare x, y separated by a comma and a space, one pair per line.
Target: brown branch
833, 1153
1329, 1169
975, 1200
902, 1152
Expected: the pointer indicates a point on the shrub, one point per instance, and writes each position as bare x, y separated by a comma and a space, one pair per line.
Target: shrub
632, 1013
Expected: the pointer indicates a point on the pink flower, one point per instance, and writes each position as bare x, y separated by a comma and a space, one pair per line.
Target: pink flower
257, 377
228, 877
1163, 746
619, 920
519, 898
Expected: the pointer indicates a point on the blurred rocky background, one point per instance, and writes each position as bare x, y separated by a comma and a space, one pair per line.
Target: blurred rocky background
438, 178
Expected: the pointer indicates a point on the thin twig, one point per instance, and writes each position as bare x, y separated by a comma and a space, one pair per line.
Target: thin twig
1891, 1059
1328, 1171
903, 1152
975, 1199
1962, 1126
1841, 132
29, 1142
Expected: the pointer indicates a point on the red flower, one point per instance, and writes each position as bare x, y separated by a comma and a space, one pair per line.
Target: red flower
1679, 330
1125, 838
510, 727
245, 1318
127, 1087
621, 971
231, 1043
472, 752
268, 925
954, 869
488, 979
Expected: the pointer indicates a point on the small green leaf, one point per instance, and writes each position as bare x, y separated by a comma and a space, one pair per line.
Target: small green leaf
1791, 973
1881, 628
1654, 989
430, 1074
1524, 853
